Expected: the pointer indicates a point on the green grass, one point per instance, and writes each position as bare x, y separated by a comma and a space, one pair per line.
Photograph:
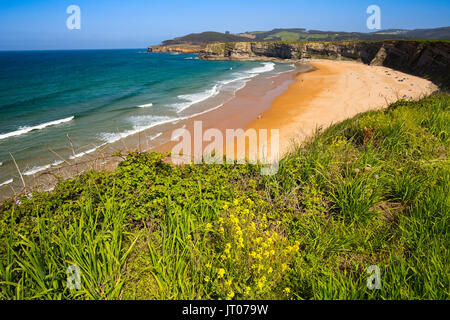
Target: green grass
372, 190
295, 37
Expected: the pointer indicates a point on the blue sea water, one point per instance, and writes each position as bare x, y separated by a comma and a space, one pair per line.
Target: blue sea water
99, 96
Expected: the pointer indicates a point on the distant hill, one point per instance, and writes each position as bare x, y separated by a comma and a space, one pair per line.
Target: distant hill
203, 38
317, 35
299, 34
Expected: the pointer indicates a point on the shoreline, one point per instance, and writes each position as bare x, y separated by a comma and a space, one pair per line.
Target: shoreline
295, 102
156, 137
333, 92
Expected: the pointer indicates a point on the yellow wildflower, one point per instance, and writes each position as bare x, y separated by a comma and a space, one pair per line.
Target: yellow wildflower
230, 295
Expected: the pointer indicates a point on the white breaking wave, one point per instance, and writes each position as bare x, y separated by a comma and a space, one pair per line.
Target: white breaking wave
78, 155
57, 163
145, 105
35, 170
24, 130
155, 136
267, 66
245, 76
196, 98
141, 124
6, 182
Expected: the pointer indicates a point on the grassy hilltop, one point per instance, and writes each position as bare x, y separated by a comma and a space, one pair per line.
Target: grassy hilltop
372, 190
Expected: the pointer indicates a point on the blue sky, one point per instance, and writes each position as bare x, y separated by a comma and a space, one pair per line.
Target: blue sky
41, 24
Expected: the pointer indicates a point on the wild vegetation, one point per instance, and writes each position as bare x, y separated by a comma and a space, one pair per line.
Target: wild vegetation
372, 190
299, 34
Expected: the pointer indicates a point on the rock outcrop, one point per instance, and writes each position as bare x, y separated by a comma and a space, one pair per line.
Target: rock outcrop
428, 59
176, 49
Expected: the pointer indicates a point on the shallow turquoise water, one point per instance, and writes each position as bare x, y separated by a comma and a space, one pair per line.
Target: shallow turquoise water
100, 96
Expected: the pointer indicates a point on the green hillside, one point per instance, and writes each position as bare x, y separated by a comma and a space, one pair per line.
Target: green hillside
203, 38
308, 35
316, 35
372, 190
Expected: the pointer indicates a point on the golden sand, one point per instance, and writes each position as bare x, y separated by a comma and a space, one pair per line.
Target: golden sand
334, 92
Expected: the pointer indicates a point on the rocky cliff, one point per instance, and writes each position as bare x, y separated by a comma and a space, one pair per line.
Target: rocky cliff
185, 49
428, 59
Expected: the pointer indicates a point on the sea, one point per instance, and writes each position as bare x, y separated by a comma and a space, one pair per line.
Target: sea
62, 105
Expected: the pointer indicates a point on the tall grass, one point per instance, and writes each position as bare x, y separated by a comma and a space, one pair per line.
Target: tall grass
372, 190
92, 241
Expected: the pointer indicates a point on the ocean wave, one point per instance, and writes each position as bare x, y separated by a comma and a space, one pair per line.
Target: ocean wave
79, 155
38, 169
155, 136
245, 76
6, 182
57, 163
266, 67
141, 124
24, 130
35, 170
195, 98
145, 105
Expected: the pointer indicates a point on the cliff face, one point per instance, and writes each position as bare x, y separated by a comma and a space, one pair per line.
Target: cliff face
185, 49
422, 58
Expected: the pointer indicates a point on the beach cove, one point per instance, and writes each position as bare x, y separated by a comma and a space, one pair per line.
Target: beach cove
314, 95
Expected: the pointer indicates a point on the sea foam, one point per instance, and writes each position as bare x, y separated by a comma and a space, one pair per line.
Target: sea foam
24, 130
196, 98
145, 105
35, 170
140, 124
6, 182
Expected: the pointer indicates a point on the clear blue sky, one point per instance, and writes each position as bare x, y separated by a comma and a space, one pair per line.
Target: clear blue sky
41, 24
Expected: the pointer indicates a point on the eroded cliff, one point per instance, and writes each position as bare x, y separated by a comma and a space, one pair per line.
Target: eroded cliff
428, 59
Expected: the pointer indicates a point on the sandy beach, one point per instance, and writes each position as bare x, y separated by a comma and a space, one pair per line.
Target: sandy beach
314, 95
336, 91
302, 101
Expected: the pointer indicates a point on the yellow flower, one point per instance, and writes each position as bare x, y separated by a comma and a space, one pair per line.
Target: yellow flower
287, 291
230, 295
208, 226
261, 283
220, 273
207, 279
208, 265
